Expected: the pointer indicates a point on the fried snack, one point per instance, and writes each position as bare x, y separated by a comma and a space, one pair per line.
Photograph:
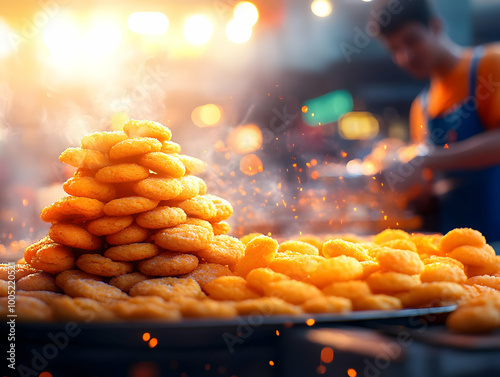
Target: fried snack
28, 309
96, 264
127, 281
224, 250
473, 255
132, 234
167, 288
73, 235
132, 252
102, 141
401, 244
428, 245
134, 147
442, 272
31, 250
109, 225
459, 237
233, 288
223, 208
206, 308
267, 306
348, 289
158, 188
200, 206
193, 165
44, 296
161, 217
328, 304
129, 206
312, 240
298, 247
163, 163
432, 294
391, 234
96, 290
53, 258
89, 187
121, 173
142, 307
259, 252
170, 147
489, 269
337, 247
248, 237
474, 319
72, 208
84, 158
184, 238
39, 281
80, 309
206, 272
222, 227
446, 260
486, 280
292, 291
377, 302
391, 282
147, 128
296, 266
199, 222
190, 188
402, 261
21, 270
4, 288
168, 264
260, 278
369, 267
340, 268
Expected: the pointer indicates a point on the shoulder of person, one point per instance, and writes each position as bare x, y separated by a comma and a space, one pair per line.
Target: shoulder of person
491, 53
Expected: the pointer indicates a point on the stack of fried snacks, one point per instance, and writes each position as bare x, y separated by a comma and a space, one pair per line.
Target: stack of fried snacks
139, 238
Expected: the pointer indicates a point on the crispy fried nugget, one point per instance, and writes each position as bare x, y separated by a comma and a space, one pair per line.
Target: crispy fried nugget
369, 267
427, 244
72, 208
486, 280
89, 187
259, 252
168, 264
129, 205
474, 319
127, 281
401, 244
161, 217
312, 240
80, 309
163, 163
248, 237
200, 206
158, 188
298, 247
337, 247
224, 250
492, 268
233, 288
446, 260
295, 265
391, 234
267, 306
21, 270
84, 158
184, 238
223, 208
260, 278
53, 258
142, 307
39, 281
96, 290
96, 264
391, 282
31, 250
473, 255
330, 304
109, 225
377, 302
132, 252
66, 277
206, 308
121, 173
442, 272
193, 165
73, 235
170, 147
147, 128
222, 227
199, 222
190, 188
167, 288
348, 289
402, 261
134, 147
459, 237
292, 291
28, 309
340, 268
206, 272
131, 234
432, 294
102, 141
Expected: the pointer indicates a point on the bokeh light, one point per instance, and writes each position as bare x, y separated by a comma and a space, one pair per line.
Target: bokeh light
62, 37
327, 355
152, 23
245, 139
247, 13
198, 30
103, 37
321, 8
251, 164
238, 32
358, 126
7, 40
207, 115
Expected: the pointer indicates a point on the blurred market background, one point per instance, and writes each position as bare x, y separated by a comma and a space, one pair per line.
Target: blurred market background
294, 107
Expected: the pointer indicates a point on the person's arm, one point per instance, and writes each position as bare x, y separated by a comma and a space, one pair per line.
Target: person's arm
478, 152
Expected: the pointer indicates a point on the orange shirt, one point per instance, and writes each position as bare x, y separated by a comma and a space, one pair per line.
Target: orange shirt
452, 90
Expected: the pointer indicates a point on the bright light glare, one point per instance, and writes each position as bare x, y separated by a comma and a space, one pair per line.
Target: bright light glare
246, 12
62, 37
103, 37
198, 30
153, 23
238, 32
321, 8
7, 45
206, 115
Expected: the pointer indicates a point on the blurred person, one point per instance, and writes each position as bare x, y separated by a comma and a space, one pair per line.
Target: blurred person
457, 115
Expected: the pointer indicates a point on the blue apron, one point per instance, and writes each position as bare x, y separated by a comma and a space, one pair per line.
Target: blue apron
474, 198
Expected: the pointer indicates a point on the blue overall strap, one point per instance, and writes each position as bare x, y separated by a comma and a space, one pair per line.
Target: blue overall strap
476, 58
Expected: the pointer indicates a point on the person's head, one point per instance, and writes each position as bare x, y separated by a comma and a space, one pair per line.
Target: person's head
411, 31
